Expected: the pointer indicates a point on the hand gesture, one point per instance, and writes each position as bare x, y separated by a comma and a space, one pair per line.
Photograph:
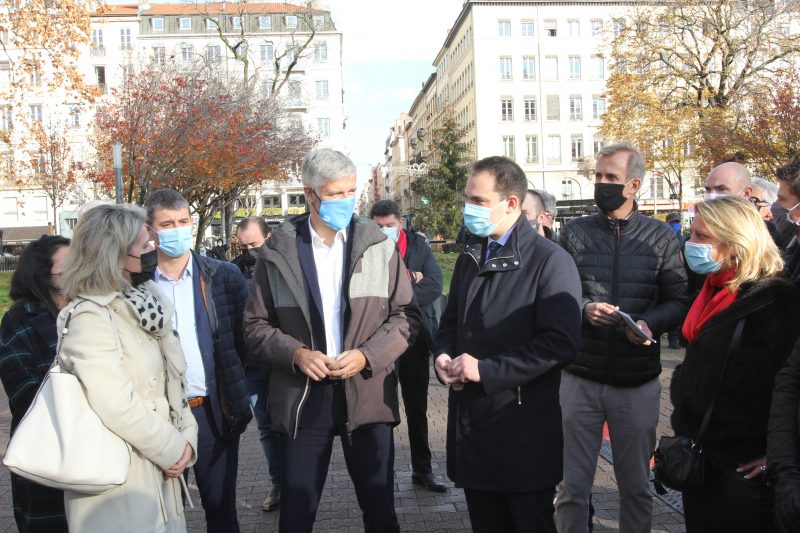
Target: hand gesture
347, 365
601, 314
178, 468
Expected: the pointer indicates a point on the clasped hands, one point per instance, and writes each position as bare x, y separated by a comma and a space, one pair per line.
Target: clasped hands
318, 366
456, 372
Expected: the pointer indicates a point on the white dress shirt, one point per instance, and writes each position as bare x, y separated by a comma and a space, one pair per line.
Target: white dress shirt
181, 292
330, 269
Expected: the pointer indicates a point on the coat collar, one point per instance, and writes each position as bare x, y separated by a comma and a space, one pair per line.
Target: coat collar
508, 257
752, 297
625, 225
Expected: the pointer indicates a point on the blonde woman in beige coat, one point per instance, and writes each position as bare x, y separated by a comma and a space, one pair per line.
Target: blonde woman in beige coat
121, 346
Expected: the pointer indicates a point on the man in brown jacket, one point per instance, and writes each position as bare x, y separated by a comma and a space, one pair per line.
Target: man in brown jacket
331, 309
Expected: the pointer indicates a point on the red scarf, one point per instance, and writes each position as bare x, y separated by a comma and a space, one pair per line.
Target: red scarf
402, 242
714, 297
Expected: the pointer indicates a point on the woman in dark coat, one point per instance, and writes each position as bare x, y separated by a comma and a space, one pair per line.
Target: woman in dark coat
731, 245
28, 339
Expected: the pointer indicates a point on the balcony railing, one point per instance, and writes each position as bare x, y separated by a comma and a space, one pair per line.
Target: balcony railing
98, 51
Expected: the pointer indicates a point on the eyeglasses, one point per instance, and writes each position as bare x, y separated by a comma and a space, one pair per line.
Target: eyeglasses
758, 202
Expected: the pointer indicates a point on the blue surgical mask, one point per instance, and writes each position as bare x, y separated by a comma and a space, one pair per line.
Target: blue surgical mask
336, 214
698, 258
478, 219
175, 241
392, 233
676, 226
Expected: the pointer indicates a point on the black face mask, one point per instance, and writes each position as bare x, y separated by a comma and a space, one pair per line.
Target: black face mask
608, 197
250, 256
149, 262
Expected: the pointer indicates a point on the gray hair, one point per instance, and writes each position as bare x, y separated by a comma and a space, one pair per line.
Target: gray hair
324, 164
548, 201
164, 199
100, 244
770, 189
635, 168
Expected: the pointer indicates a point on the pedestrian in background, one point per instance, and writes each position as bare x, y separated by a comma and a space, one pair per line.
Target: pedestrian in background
208, 297
413, 367
631, 263
28, 339
121, 346
252, 233
731, 245
331, 310
512, 322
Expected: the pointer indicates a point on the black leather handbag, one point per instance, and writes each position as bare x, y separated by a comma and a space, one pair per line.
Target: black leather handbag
679, 462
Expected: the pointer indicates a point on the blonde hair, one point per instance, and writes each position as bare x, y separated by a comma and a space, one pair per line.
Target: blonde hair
100, 244
735, 221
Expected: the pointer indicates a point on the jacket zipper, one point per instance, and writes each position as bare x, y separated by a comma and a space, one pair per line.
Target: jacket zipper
519, 395
614, 296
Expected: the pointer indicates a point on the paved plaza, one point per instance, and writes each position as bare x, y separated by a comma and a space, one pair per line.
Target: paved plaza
417, 509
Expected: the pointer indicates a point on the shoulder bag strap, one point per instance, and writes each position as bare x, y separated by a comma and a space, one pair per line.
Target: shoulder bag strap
732, 348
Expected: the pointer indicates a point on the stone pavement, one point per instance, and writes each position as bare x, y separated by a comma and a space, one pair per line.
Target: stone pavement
418, 510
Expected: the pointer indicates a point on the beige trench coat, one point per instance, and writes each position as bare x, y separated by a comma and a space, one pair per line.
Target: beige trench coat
122, 369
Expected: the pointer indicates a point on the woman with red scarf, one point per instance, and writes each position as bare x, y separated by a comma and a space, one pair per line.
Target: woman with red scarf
731, 245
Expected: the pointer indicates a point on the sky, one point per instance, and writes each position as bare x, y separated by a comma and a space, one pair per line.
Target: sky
389, 48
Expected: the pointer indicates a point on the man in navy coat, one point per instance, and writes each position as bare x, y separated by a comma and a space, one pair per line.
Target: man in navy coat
512, 322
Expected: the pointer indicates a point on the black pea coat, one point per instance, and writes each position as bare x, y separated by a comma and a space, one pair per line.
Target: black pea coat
519, 314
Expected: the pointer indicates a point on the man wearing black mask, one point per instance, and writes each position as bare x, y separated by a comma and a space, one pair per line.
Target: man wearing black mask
252, 233
631, 263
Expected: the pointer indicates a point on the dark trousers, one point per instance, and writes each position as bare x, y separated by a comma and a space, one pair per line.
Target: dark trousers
368, 453
215, 472
413, 371
728, 502
37, 509
511, 512
258, 390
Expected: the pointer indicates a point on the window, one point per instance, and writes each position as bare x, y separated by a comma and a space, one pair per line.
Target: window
504, 28
211, 25
554, 142
324, 127
97, 39
505, 68
267, 52
159, 54
291, 53
125, 39
36, 78
551, 28
186, 52
598, 67
550, 68
526, 29
268, 86
319, 22
265, 23
528, 68
530, 108
157, 23
619, 26
297, 200
506, 109
597, 28
656, 187
321, 52
574, 67
553, 107
574, 28
508, 147
566, 189
236, 22
213, 53
598, 145
6, 119
575, 107
36, 113
322, 89
270, 201
75, 117
295, 89
100, 77
531, 149
598, 106
576, 147
185, 24
291, 22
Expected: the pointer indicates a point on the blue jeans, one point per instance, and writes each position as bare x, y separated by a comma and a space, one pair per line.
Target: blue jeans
258, 390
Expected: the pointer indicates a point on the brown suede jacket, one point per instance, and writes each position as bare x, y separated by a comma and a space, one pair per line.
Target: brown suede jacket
382, 321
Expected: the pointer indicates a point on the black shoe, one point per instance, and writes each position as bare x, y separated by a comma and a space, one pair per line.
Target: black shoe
428, 481
273, 501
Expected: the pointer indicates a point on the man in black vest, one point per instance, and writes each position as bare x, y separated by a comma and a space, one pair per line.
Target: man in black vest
413, 367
